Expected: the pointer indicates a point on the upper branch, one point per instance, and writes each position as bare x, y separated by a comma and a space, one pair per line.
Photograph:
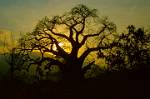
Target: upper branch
81, 31
91, 35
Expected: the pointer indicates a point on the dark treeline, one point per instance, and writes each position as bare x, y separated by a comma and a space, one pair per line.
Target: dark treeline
48, 62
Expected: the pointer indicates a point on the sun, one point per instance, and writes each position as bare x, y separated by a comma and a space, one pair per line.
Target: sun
60, 44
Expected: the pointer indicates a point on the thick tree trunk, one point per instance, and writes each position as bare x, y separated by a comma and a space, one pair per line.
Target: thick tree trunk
73, 68
73, 71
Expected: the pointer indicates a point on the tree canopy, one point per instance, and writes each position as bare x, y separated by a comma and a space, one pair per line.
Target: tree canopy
66, 41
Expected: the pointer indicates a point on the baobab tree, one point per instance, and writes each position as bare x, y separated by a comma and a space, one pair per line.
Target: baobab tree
66, 41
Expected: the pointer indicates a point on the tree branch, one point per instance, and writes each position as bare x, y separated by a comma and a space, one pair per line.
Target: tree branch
81, 31
89, 50
61, 51
91, 35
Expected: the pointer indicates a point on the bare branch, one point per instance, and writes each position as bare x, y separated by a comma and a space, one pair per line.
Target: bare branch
91, 35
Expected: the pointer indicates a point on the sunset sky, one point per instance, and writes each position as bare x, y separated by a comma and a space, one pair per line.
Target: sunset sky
22, 15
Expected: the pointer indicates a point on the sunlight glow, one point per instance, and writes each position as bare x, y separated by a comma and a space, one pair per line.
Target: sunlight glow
55, 48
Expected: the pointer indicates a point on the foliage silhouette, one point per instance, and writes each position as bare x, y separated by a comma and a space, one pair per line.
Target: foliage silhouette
132, 51
64, 42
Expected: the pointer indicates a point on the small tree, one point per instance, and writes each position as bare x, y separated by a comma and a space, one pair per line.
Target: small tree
66, 41
132, 50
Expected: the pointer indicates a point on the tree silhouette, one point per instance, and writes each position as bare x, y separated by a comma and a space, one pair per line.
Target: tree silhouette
132, 50
65, 42
15, 59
